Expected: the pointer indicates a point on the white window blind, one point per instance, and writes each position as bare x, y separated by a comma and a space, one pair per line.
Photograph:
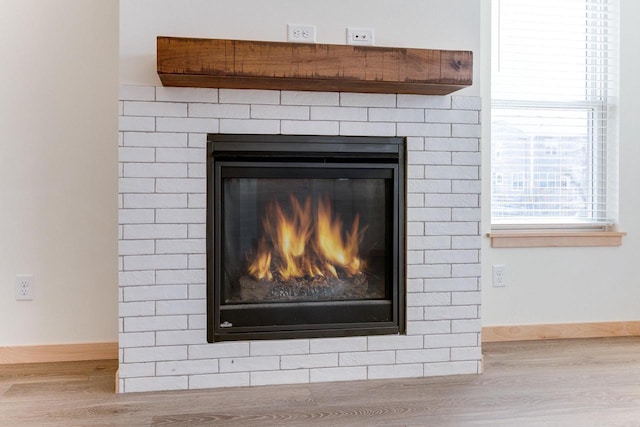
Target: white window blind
554, 77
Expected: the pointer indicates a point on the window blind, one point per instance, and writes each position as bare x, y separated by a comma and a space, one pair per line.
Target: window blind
553, 92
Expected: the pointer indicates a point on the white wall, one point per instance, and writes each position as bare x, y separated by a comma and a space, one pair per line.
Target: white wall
432, 24
566, 285
58, 170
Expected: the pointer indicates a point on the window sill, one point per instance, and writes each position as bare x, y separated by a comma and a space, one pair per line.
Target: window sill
539, 239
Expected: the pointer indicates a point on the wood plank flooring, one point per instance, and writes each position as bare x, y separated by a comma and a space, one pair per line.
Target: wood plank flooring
586, 382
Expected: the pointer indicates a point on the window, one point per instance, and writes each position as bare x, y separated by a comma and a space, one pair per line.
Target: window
517, 181
498, 178
554, 74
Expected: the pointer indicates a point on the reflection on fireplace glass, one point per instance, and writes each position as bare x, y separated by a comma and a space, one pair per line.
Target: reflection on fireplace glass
303, 239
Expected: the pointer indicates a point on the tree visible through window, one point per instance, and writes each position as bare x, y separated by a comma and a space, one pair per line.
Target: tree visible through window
554, 72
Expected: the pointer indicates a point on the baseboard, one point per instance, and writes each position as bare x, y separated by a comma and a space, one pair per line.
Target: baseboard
560, 331
58, 353
109, 350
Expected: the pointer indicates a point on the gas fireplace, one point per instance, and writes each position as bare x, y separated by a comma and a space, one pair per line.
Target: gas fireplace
305, 236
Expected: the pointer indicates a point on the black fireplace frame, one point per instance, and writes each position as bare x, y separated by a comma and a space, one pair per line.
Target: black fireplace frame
316, 152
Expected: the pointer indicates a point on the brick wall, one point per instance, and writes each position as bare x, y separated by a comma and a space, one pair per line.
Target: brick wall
162, 237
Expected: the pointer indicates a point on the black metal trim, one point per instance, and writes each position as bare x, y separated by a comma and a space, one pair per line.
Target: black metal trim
309, 333
213, 264
300, 144
312, 153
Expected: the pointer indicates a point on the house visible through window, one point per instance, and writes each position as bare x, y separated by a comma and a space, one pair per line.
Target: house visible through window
554, 75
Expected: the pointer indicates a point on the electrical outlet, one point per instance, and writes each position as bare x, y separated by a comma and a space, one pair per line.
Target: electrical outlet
499, 279
301, 33
360, 36
25, 287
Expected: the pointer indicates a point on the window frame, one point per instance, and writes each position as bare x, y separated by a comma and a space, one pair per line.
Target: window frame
602, 231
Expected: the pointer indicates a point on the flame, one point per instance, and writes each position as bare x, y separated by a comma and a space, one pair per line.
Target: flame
290, 235
331, 245
303, 244
260, 267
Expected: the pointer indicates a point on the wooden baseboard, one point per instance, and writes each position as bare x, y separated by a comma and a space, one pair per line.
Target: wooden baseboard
109, 350
58, 353
560, 331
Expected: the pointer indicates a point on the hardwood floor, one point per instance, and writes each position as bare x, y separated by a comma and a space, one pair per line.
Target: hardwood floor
587, 382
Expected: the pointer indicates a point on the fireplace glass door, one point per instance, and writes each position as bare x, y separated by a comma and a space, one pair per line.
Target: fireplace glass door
304, 245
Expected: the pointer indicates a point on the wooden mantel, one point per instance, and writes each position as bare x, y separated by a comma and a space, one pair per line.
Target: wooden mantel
217, 63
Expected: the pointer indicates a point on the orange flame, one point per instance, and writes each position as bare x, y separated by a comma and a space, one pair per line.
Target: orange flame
305, 244
331, 246
260, 267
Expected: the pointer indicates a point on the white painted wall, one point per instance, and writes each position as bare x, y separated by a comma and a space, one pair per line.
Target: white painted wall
432, 24
566, 285
58, 170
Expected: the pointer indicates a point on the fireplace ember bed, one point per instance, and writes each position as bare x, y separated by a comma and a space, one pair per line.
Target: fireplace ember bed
305, 236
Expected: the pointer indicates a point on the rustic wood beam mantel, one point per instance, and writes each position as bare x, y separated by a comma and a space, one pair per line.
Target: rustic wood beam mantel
242, 64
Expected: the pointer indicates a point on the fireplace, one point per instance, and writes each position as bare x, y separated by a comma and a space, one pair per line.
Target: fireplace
165, 312
305, 236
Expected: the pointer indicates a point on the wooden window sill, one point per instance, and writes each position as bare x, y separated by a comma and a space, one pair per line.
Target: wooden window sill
539, 239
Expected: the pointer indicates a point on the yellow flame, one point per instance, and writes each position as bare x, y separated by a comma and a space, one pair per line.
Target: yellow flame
306, 244
331, 246
260, 267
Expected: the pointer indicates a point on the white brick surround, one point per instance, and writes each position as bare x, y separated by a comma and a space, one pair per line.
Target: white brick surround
162, 237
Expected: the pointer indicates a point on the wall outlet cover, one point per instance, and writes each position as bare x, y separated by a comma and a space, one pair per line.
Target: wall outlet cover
25, 287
